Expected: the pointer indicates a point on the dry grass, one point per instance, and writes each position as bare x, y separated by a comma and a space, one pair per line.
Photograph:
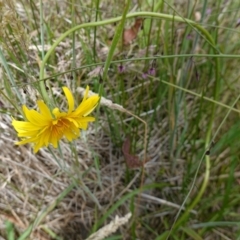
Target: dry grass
104, 186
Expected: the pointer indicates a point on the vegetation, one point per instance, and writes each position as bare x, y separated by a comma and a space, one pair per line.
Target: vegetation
161, 160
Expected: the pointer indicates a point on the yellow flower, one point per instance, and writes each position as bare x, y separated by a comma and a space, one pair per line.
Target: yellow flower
44, 127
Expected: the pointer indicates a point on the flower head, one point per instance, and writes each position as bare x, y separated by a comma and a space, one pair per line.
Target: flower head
121, 68
152, 71
45, 127
144, 75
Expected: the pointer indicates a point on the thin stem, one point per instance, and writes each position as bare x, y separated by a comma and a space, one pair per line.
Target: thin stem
10, 75
73, 44
95, 31
199, 195
203, 97
42, 28
167, 83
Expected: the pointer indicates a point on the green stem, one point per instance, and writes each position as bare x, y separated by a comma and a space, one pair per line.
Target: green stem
203, 97
234, 56
199, 195
74, 85
112, 20
42, 27
10, 75
115, 40
207, 158
95, 32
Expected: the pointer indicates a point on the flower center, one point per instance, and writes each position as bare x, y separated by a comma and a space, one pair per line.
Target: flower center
59, 126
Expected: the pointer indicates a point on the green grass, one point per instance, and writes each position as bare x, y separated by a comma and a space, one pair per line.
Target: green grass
183, 120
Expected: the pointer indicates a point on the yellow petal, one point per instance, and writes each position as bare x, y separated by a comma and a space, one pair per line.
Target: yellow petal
24, 126
72, 120
86, 94
28, 134
70, 99
45, 111
85, 119
86, 107
29, 140
37, 146
93, 102
34, 117
72, 133
83, 125
56, 112
54, 140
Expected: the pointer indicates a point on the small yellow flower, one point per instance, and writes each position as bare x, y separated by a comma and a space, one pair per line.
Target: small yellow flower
44, 127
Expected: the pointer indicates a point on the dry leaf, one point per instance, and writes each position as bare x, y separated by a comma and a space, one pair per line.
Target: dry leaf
130, 34
131, 160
